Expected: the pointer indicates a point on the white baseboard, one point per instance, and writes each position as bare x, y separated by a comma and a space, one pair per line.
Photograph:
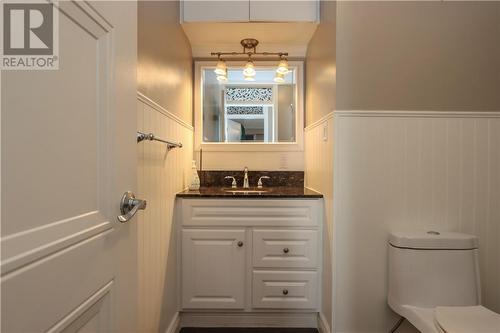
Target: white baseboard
175, 324
261, 319
323, 326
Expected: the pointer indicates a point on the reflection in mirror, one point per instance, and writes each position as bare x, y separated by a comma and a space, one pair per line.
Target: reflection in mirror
238, 110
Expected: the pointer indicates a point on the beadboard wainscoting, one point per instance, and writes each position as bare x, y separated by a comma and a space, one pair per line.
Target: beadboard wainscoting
161, 174
318, 167
409, 171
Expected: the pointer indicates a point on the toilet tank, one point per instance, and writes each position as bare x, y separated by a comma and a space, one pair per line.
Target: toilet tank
429, 269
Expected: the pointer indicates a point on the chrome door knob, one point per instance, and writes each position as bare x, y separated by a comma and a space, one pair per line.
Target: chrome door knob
285, 292
129, 205
286, 250
240, 244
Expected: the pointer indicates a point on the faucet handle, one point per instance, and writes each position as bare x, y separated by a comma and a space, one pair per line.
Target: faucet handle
233, 183
259, 183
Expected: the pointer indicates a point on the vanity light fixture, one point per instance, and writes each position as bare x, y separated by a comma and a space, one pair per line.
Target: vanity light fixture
282, 66
249, 77
221, 68
249, 68
222, 78
250, 50
279, 78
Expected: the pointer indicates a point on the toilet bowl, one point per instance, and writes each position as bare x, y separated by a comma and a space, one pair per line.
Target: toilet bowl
434, 283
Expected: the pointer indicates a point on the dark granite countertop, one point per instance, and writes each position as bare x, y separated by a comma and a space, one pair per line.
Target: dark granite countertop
267, 192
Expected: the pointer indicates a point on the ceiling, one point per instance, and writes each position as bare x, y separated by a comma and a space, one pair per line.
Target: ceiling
209, 37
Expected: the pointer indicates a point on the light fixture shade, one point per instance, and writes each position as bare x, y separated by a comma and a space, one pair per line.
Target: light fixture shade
250, 77
221, 68
249, 69
221, 78
282, 66
280, 78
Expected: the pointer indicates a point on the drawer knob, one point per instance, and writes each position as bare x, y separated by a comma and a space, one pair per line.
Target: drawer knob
286, 250
240, 244
285, 291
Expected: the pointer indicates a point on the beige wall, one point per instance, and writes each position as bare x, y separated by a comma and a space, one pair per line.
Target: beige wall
164, 58
165, 78
318, 148
321, 66
418, 55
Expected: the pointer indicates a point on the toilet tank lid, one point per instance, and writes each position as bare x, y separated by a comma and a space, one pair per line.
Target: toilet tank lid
433, 240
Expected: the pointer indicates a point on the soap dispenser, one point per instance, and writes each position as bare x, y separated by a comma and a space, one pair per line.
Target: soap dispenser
195, 180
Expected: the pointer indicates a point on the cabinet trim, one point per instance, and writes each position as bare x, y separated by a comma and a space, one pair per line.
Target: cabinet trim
259, 212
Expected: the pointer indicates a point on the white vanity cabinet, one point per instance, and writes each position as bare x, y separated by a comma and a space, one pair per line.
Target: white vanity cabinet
250, 11
250, 254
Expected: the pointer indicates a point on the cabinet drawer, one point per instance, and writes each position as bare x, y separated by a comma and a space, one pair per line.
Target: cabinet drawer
285, 248
284, 290
256, 212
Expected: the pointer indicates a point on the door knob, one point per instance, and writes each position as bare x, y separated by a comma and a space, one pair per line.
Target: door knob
129, 205
286, 250
240, 244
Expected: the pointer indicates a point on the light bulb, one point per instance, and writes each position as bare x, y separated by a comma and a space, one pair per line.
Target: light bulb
249, 69
282, 66
221, 68
221, 78
250, 77
279, 78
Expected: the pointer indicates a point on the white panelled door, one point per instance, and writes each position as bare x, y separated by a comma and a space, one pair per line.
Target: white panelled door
68, 155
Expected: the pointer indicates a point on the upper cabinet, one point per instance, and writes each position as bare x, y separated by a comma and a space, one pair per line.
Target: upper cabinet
250, 11
284, 11
215, 11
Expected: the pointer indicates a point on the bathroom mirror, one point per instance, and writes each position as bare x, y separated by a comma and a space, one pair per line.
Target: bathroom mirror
236, 111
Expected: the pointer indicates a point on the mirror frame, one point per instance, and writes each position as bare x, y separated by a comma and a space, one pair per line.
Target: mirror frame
298, 145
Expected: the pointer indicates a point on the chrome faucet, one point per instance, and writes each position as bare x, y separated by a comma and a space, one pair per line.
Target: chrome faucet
233, 183
259, 183
245, 179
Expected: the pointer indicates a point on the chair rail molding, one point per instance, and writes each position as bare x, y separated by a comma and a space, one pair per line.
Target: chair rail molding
417, 114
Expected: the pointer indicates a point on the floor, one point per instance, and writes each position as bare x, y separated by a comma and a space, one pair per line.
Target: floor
246, 330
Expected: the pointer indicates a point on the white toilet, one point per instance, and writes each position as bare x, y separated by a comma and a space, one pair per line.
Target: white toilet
434, 283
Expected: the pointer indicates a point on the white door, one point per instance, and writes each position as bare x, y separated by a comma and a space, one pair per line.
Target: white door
213, 268
68, 154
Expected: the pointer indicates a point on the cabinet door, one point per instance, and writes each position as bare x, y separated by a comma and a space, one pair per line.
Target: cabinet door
213, 269
284, 11
215, 11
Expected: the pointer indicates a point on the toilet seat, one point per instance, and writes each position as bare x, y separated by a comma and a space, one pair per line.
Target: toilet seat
466, 319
